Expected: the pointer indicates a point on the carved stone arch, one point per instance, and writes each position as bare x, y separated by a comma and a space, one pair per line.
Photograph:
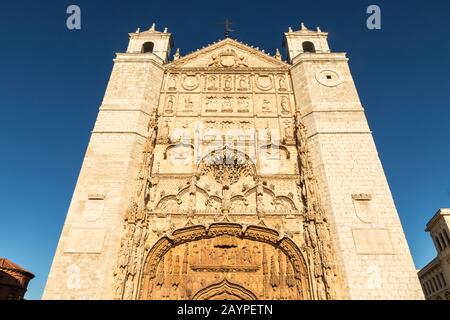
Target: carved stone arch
226, 235
287, 200
226, 166
227, 156
165, 199
239, 200
177, 145
277, 146
250, 191
225, 289
269, 191
266, 190
202, 191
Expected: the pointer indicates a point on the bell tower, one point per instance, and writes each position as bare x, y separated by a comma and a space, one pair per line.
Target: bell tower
352, 185
88, 244
305, 41
151, 42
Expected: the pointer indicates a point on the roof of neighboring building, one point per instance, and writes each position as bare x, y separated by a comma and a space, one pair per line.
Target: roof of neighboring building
441, 212
6, 264
431, 265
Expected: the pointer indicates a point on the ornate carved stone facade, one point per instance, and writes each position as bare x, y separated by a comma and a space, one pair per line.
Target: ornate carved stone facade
219, 192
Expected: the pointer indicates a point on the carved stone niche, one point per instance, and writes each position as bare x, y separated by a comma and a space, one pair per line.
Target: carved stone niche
225, 261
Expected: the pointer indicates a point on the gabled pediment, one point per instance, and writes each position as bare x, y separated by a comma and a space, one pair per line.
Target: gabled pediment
228, 54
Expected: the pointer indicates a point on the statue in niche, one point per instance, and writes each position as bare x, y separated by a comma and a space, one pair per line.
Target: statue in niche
260, 198
170, 102
195, 254
120, 276
288, 134
123, 254
274, 278
226, 201
173, 82
243, 83
188, 105
176, 272
192, 193
282, 84
268, 132
129, 288
284, 105
227, 83
138, 233
255, 255
245, 256
266, 106
212, 81
165, 132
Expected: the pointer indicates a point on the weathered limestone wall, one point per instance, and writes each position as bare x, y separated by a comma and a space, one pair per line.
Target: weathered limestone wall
87, 251
371, 245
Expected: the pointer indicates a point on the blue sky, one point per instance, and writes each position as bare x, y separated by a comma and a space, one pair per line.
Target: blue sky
52, 81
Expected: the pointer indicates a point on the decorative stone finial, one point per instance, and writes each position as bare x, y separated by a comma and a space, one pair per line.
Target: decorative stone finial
303, 27
278, 55
177, 55
290, 29
153, 28
138, 30
166, 30
318, 29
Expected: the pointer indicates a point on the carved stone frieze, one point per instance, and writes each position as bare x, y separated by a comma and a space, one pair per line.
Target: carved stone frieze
226, 149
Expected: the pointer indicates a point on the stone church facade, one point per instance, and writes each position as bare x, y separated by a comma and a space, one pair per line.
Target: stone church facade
231, 174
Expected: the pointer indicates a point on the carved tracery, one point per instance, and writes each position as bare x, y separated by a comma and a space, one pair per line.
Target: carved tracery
225, 260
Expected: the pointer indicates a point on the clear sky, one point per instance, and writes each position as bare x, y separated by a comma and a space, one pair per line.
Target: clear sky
52, 81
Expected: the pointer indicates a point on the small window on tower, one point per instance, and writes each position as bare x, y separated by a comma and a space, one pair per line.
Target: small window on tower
148, 47
329, 77
309, 47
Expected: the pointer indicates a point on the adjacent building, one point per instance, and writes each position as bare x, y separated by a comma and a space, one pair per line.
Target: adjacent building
435, 276
13, 280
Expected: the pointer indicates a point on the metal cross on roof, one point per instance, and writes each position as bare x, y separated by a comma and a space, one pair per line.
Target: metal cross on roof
228, 29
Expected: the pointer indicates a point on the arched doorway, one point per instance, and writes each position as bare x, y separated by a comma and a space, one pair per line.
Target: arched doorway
224, 290
224, 261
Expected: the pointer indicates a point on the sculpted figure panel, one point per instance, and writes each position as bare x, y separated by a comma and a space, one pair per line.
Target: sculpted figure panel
227, 149
223, 264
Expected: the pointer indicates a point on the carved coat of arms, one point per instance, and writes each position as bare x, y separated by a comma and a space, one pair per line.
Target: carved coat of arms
228, 59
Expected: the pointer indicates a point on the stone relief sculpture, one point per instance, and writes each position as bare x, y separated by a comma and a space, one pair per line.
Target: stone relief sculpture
256, 255
282, 86
188, 105
243, 83
136, 221
221, 230
170, 104
285, 105
228, 59
227, 83
212, 83
316, 229
173, 82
